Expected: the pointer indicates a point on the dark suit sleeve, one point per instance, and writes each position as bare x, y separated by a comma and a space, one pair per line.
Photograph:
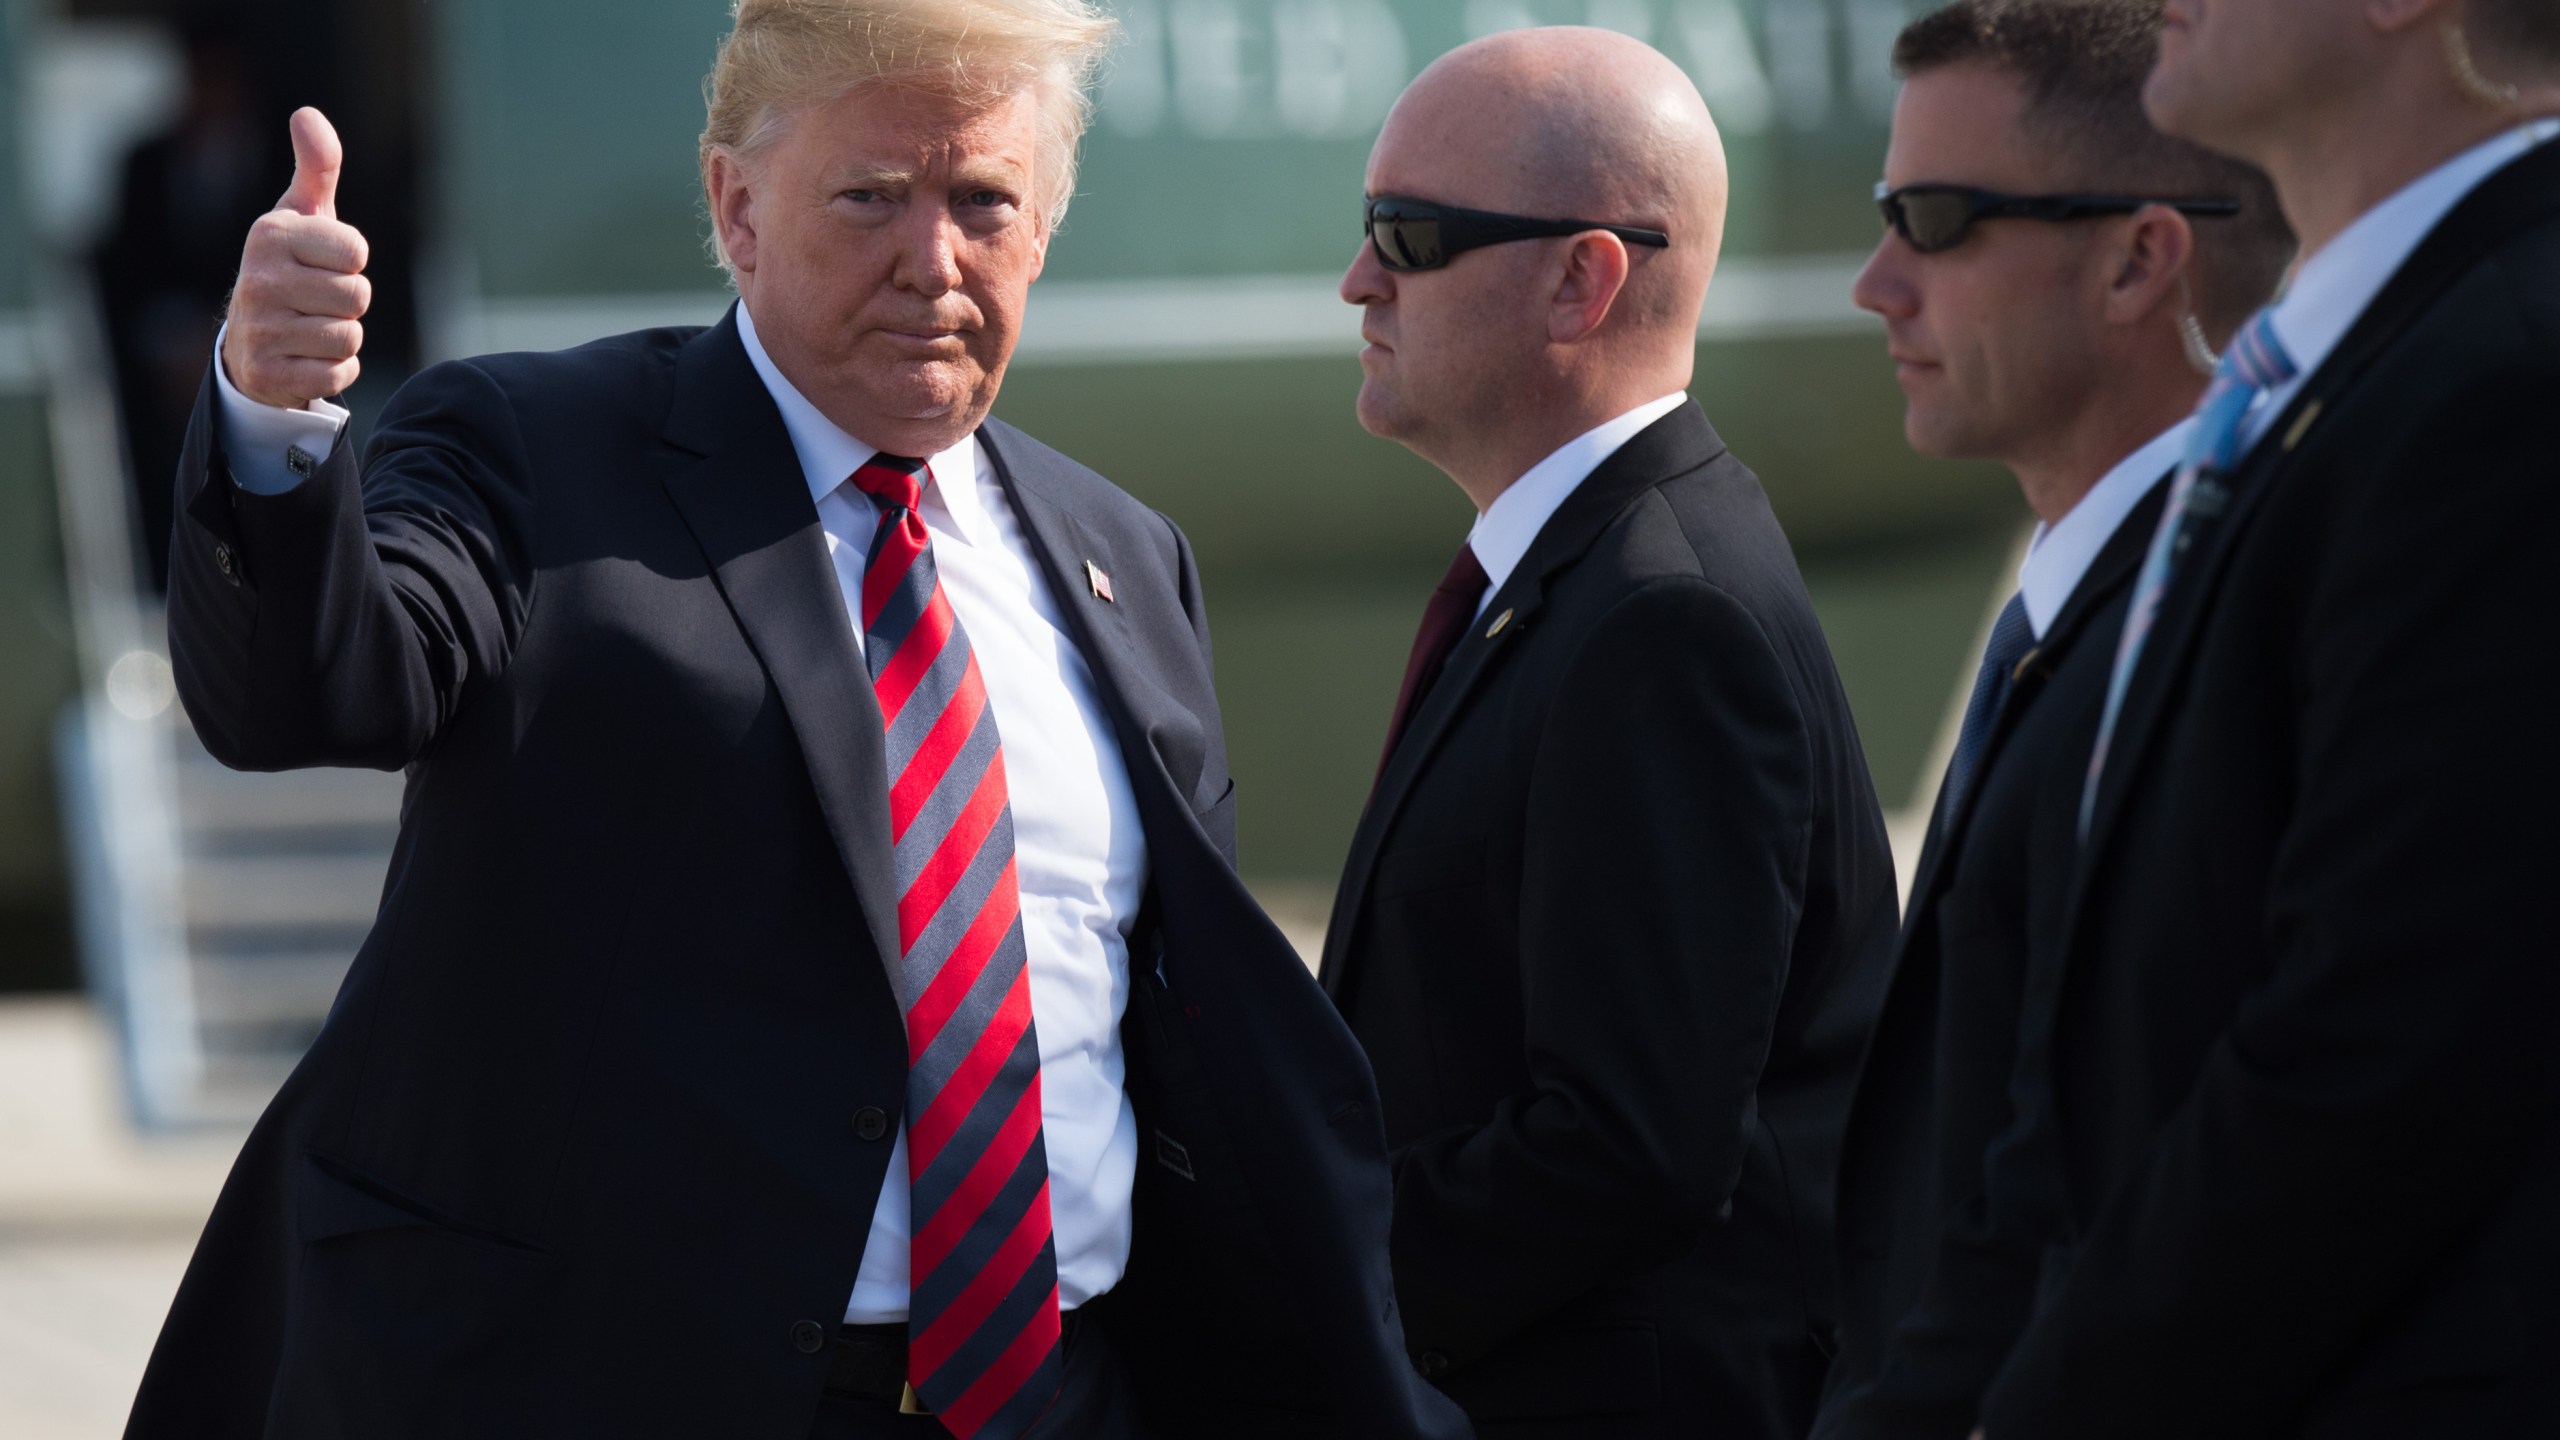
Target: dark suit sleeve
1663, 872
347, 621
2378, 1088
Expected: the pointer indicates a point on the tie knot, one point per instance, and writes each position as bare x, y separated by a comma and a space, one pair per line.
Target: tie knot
2013, 633
1466, 578
2257, 358
896, 481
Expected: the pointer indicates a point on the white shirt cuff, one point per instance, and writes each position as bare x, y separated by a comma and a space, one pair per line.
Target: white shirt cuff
259, 439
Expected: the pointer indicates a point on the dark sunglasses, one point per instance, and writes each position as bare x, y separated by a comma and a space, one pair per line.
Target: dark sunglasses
1931, 218
1415, 235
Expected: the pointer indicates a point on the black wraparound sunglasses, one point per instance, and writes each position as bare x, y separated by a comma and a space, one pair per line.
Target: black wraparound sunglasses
1931, 218
1412, 235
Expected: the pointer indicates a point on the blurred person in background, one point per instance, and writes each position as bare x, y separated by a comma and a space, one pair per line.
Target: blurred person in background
185, 197
2052, 278
1615, 919
2297, 1078
188, 193
813, 994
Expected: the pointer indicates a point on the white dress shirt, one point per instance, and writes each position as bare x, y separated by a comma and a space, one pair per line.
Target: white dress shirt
2062, 552
1079, 851
255, 437
1510, 525
2335, 285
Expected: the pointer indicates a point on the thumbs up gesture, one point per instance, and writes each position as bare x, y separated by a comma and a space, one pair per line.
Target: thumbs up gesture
296, 316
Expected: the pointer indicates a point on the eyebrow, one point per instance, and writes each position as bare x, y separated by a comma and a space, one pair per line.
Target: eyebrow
871, 178
971, 175
1001, 174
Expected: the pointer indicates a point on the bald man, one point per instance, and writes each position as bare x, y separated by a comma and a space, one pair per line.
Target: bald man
1614, 923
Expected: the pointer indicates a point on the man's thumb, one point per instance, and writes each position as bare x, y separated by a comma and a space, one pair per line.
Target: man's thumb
316, 157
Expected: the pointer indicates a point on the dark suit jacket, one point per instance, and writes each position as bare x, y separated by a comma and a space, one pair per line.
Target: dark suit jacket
1612, 931
1934, 1291
591, 1140
2304, 1069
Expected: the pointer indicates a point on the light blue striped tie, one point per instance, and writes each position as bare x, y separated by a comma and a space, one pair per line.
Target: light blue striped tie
2255, 364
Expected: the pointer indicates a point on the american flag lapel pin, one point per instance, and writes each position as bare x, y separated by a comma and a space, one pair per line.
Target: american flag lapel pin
1101, 583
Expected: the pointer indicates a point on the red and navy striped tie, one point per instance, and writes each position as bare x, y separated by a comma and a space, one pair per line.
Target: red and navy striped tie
982, 1318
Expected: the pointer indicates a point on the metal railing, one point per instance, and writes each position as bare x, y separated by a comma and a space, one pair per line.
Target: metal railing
217, 911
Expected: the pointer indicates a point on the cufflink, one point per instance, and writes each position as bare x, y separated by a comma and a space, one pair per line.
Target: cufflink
299, 461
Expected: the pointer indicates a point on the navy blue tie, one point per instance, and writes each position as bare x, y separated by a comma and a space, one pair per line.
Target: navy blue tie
2011, 638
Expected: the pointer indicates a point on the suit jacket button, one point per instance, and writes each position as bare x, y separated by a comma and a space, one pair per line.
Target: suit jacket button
808, 1337
1430, 1364
223, 562
870, 1122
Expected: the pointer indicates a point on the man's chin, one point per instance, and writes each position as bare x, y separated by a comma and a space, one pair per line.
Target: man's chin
1930, 434
2169, 98
1377, 412
928, 391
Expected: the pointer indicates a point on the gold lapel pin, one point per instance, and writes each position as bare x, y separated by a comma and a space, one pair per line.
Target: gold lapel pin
2301, 427
1498, 622
1101, 583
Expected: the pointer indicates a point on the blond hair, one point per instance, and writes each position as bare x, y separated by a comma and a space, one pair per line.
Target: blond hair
783, 56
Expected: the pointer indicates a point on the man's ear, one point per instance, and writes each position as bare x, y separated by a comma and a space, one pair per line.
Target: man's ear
726, 181
1594, 275
2148, 264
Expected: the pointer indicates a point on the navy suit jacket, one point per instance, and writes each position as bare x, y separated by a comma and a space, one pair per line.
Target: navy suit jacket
1936, 1280
2293, 1074
591, 1140
1613, 929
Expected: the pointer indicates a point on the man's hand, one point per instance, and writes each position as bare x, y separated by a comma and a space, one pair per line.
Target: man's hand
294, 326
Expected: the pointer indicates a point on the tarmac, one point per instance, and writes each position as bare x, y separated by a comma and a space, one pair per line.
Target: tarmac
96, 1224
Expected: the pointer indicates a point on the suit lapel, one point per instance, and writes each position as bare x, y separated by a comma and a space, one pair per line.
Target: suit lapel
1674, 445
740, 489
2110, 572
1520, 597
2526, 190
1158, 734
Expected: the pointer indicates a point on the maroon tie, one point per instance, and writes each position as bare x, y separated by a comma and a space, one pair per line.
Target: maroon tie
1444, 624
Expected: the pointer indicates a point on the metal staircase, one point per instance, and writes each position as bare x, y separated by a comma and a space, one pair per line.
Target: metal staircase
280, 876
218, 910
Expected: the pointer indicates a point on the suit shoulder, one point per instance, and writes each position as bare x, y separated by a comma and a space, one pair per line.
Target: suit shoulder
619, 372
2469, 376
1713, 525
1714, 522
1078, 488
2523, 282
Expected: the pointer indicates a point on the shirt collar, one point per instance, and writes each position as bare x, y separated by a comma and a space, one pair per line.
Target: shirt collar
829, 456
2333, 288
1510, 525
2062, 552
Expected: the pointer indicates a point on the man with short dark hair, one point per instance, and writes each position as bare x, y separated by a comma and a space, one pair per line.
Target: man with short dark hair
2053, 273
2295, 1078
